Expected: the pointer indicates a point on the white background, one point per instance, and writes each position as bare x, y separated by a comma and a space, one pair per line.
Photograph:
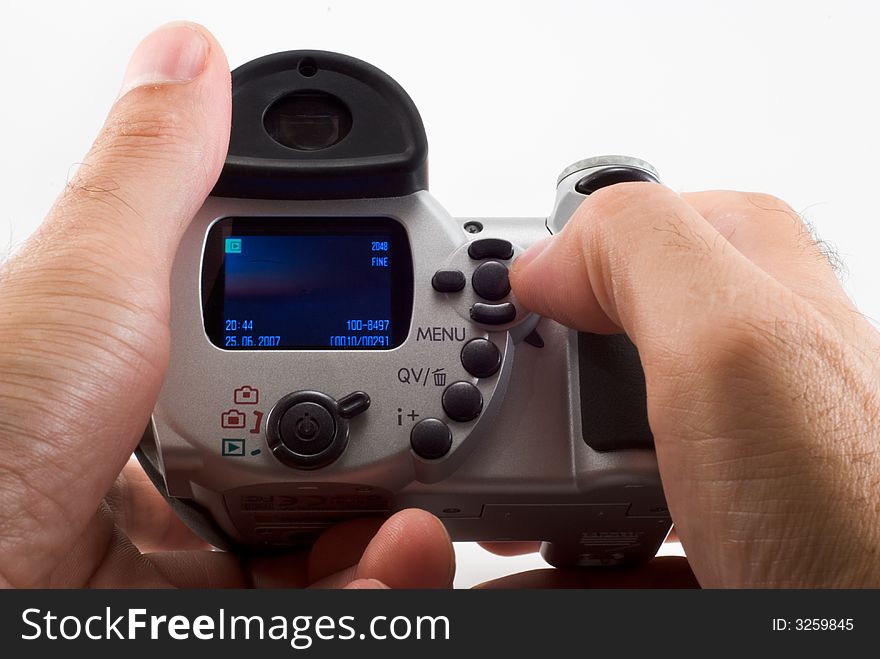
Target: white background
779, 97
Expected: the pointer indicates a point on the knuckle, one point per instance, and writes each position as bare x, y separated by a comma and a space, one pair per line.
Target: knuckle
612, 202
138, 144
767, 202
644, 220
134, 144
621, 213
753, 206
146, 130
762, 207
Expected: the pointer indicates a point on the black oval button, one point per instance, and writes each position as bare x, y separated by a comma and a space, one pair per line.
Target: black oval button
430, 439
448, 281
355, 403
481, 358
493, 314
490, 248
490, 280
462, 401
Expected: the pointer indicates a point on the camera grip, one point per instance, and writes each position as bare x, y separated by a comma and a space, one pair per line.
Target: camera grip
614, 412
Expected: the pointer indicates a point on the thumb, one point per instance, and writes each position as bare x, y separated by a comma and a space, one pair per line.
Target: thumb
158, 155
84, 305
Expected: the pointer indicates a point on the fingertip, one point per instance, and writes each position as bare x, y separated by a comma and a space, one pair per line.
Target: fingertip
530, 254
173, 53
511, 548
341, 547
214, 98
167, 132
216, 59
412, 549
365, 584
551, 278
179, 73
527, 273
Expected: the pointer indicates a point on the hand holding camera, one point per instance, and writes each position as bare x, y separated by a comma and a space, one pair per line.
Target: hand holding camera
761, 392
85, 349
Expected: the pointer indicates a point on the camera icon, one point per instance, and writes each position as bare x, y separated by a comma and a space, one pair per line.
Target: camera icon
233, 419
246, 396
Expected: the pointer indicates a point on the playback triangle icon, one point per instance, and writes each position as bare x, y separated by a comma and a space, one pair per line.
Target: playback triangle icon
232, 447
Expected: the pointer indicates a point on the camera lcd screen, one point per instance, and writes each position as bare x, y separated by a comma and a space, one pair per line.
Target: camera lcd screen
307, 284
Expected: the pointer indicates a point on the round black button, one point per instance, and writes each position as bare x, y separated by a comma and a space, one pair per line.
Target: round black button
490, 280
462, 401
307, 428
430, 439
481, 358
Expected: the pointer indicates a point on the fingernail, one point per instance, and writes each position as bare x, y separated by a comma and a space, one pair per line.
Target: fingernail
532, 252
366, 584
174, 53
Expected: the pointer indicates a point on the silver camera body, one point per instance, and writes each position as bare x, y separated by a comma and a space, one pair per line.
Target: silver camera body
344, 348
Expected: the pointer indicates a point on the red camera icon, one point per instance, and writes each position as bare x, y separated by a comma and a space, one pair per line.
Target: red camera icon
246, 396
233, 419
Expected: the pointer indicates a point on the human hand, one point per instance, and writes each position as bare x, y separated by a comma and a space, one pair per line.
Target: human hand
84, 312
762, 379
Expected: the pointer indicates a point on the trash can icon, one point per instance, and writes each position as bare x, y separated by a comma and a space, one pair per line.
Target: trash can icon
439, 378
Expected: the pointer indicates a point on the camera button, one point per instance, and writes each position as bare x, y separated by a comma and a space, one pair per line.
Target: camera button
602, 178
353, 404
493, 314
481, 358
490, 248
430, 439
307, 428
491, 281
448, 281
535, 339
462, 401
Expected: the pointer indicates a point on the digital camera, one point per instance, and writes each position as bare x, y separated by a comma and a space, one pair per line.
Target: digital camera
341, 347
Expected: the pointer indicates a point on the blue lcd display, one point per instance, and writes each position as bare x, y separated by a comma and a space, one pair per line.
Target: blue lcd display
305, 284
